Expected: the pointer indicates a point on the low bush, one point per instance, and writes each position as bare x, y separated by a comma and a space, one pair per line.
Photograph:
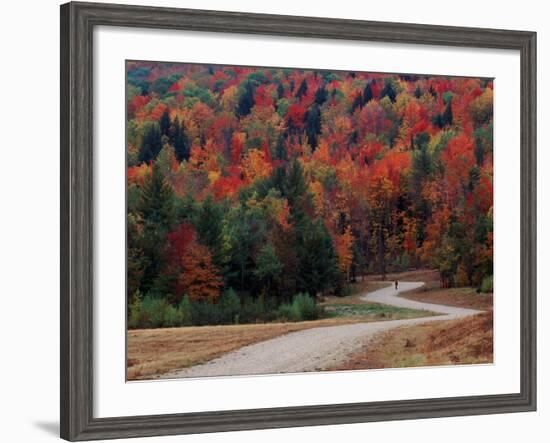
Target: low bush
205, 313
230, 307
154, 312
172, 317
185, 311
303, 307
134, 311
252, 310
285, 312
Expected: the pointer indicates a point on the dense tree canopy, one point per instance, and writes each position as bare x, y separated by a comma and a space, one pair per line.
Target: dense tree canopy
272, 182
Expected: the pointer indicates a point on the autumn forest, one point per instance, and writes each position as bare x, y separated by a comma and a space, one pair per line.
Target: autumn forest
254, 192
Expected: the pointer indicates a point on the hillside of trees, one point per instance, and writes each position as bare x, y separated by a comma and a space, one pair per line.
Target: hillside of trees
269, 182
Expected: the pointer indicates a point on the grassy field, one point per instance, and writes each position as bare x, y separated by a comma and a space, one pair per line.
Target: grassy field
461, 297
465, 341
156, 351
466, 297
152, 352
426, 275
356, 290
368, 311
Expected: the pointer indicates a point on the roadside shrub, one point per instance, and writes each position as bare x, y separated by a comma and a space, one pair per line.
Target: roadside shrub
270, 310
285, 312
185, 311
153, 312
134, 311
205, 313
172, 317
302, 308
230, 307
252, 310
487, 284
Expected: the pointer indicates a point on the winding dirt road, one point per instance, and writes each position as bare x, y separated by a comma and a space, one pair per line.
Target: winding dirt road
318, 348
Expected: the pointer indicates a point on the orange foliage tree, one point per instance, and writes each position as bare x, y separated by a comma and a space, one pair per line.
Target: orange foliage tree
199, 278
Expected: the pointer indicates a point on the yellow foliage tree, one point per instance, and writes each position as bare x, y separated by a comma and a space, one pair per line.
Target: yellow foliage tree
344, 250
255, 166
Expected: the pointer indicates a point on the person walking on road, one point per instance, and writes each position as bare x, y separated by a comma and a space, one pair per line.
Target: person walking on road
396, 284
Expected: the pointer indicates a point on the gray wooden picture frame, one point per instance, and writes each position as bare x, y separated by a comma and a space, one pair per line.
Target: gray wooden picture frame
77, 23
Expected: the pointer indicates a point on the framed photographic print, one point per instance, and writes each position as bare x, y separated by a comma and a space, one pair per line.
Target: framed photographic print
273, 221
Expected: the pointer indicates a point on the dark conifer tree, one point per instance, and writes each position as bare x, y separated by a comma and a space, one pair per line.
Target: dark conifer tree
313, 125
447, 117
357, 103
318, 268
164, 123
151, 143
321, 95
179, 140
246, 100
367, 94
280, 90
156, 208
302, 89
388, 90
280, 149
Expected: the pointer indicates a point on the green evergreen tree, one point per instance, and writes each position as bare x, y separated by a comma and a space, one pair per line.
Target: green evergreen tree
246, 99
180, 140
208, 220
357, 102
422, 169
280, 149
268, 267
313, 125
156, 204
437, 120
321, 95
240, 240
447, 117
280, 90
151, 143
302, 89
156, 210
164, 123
294, 188
367, 94
318, 267
388, 91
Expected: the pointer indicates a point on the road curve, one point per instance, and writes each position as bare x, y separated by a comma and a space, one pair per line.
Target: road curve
318, 348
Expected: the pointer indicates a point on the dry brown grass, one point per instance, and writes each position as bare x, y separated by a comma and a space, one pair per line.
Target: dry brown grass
357, 289
430, 276
461, 297
152, 352
156, 351
464, 341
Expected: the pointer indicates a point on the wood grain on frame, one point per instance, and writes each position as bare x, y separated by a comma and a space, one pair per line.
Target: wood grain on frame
77, 23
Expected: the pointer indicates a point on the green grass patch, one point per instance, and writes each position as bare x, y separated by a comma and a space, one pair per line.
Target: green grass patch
373, 310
